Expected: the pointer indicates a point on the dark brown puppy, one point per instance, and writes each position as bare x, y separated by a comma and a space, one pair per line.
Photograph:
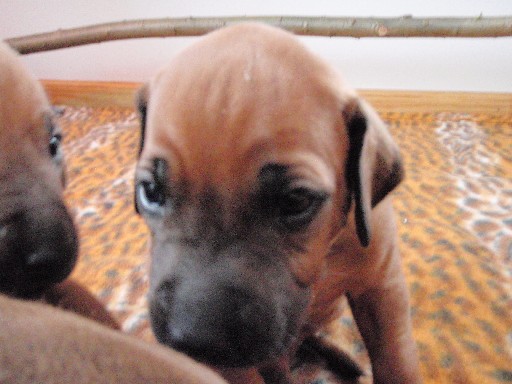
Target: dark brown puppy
264, 180
38, 246
38, 241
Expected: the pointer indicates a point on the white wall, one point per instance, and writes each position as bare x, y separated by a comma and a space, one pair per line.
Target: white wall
415, 64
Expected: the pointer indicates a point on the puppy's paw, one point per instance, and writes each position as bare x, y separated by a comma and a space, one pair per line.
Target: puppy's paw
71, 296
317, 349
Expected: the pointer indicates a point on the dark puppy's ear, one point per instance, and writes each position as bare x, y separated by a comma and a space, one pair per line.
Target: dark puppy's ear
58, 110
141, 102
374, 165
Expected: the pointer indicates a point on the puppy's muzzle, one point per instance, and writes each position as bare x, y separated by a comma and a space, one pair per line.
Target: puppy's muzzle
226, 319
216, 332
42, 247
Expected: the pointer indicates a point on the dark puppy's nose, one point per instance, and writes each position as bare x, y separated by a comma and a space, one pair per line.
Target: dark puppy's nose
46, 266
48, 249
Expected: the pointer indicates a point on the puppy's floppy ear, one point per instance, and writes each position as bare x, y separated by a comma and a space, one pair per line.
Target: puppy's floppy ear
141, 102
374, 165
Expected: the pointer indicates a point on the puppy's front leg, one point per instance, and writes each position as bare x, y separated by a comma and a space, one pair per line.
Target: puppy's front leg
274, 372
277, 372
73, 297
382, 316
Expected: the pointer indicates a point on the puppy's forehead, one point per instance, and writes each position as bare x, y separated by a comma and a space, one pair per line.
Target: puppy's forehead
23, 105
242, 97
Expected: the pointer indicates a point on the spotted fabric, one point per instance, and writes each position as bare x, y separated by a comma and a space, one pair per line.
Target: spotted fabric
455, 227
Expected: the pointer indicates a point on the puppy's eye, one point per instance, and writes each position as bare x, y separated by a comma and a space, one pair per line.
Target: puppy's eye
298, 207
54, 145
150, 197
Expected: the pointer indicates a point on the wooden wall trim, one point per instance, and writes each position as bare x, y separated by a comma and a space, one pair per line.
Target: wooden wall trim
101, 94
93, 94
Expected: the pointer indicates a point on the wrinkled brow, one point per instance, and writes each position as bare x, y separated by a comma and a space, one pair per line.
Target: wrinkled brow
274, 178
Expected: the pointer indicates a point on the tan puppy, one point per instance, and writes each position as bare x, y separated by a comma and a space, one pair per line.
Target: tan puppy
263, 178
38, 247
38, 242
41, 344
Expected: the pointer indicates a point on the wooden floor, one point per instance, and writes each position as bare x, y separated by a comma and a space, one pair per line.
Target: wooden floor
97, 94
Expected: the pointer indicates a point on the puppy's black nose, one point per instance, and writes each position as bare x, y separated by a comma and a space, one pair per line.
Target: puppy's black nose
46, 267
206, 346
219, 325
209, 332
47, 247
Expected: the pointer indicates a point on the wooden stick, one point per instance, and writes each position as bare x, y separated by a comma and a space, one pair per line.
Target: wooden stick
406, 26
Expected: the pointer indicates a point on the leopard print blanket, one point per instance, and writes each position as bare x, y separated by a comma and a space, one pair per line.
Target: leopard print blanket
455, 226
